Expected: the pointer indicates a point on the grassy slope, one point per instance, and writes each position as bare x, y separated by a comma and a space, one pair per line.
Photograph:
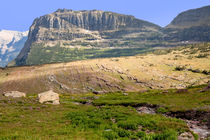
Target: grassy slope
171, 99
27, 119
153, 70
44, 55
112, 116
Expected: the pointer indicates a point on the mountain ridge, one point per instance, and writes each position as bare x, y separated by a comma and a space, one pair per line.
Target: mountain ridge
67, 35
191, 25
90, 26
11, 42
192, 17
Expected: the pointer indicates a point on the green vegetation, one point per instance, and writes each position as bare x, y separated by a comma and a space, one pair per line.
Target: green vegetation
171, 100
182, 68
202, 48
117, 122
43, 55
112, 116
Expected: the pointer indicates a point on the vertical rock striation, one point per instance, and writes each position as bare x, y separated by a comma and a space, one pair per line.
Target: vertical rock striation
70, 25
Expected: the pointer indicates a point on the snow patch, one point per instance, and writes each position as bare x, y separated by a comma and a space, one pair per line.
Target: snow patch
8, 38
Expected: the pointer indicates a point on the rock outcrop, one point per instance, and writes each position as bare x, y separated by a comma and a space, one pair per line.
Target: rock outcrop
65, 27
186, 136
14, 94
49, 97
68, 35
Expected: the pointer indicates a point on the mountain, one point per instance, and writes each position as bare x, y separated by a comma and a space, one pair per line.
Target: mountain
191, 25
67, 35
11, 42
191, 18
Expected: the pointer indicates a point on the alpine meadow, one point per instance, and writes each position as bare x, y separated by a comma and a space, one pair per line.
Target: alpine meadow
102, 75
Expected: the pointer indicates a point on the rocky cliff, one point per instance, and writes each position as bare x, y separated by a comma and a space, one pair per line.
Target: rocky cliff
67, 35
94, 28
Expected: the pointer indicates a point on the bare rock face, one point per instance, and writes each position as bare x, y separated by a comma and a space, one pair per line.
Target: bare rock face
49, 97
94, 25
15, 94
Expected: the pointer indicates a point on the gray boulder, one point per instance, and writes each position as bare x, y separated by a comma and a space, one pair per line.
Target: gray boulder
49, 97
14, 94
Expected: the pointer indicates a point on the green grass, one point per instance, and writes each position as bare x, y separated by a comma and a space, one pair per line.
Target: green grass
123, 122
83, 122
111, 117
170, 99
42, 55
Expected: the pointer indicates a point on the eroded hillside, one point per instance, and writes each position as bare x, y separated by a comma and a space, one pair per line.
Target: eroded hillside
161, 69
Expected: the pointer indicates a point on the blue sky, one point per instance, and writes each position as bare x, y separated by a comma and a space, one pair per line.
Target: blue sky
19, 14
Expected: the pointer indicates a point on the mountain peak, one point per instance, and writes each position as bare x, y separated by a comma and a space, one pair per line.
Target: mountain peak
190, 18
70, 10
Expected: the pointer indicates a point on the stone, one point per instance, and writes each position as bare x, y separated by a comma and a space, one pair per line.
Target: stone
49, 97
186, 136
126, 94
14, 94
145, 110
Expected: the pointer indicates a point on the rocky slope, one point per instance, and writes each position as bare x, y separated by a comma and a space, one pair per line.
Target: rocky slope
86, 29
11, 42
191, 25
167, 68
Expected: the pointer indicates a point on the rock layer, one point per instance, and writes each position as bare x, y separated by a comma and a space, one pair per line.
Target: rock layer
94, 25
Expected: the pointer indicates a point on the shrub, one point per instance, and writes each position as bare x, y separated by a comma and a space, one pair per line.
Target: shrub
167, 135
110, 135
196, 70
128, 125
206, 72
124, 133
141, 134
179, 68
162, 110
202, 55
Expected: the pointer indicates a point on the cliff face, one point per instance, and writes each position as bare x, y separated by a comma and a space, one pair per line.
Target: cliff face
89, 20
88, 27
67, 35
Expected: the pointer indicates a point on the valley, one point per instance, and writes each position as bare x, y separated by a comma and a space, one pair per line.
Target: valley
101, 75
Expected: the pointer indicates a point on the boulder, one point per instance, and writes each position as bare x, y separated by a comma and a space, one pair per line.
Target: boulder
49, 97
14, 94
186, 136
145, 110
